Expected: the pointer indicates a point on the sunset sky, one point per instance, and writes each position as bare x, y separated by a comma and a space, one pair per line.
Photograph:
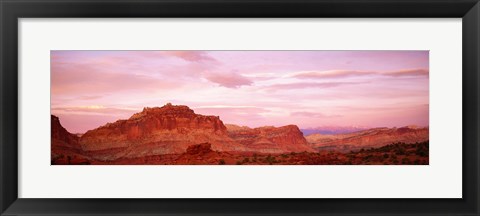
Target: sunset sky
252, 88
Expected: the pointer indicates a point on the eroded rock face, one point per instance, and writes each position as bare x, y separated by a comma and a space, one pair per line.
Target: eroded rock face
65, 147
201, 154
201, 149
61, 137
270, 139
161, 130
375, 137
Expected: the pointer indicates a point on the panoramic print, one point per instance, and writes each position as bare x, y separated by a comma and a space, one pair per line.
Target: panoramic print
239, 107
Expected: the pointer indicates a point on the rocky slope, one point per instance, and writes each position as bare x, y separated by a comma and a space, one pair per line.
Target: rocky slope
270, 139
61, 138
375, 137
65, 147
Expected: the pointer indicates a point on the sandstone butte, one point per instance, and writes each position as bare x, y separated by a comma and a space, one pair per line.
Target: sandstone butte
171, 129
270, 139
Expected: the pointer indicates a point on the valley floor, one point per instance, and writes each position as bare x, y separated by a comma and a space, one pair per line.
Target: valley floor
202, 154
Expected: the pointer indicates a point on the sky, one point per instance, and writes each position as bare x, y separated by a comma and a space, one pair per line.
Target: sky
250, 88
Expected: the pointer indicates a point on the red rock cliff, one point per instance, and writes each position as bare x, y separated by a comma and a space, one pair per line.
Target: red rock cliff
270, 139
61, 137
65, 147
160, 130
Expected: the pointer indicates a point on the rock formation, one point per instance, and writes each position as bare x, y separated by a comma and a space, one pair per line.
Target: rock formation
270, 139
61, 138
161, 130
65, 147
177, 135
202, 148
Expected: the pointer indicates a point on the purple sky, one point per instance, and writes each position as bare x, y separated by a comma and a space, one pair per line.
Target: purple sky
252, 88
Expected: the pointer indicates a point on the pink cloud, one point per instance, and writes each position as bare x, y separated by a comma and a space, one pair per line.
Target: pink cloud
94, 110
302, 85
193, 56
87, 79
408, 72
89, 97
352, 73
313, 115
229, 109
229, 80
384, 83
330, 74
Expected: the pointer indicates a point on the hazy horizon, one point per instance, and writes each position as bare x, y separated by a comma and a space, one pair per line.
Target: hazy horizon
227, 123
249, 88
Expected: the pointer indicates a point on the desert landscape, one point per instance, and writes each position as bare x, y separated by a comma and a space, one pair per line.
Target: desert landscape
175, 135
239, 107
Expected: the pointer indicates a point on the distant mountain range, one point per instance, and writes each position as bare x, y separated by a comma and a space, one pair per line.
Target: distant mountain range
332, 130
371, 138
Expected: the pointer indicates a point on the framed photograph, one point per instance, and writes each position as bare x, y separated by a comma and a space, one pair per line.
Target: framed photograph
239, 107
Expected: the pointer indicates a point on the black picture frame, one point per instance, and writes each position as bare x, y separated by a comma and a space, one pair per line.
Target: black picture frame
12, 10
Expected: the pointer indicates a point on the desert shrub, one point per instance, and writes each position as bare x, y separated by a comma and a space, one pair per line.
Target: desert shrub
246, 160
400, 151
422, 150
254, 159
422, 154
239, 163
270, 160
385, 155
221, 162
368, 157
405, 161
284, 156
